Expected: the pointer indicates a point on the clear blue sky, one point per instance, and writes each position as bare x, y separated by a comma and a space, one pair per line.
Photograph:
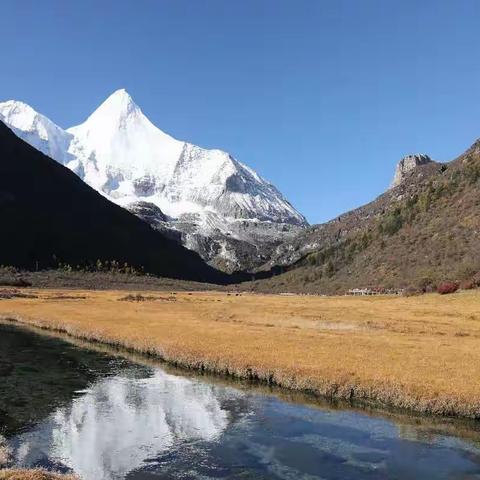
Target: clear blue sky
320, 97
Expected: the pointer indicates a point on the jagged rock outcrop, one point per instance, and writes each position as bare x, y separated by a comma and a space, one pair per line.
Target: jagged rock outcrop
406, 165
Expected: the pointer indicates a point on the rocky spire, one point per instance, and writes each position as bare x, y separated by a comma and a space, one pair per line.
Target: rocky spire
407, 164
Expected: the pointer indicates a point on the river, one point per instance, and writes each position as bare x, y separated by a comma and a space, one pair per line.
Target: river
109, 416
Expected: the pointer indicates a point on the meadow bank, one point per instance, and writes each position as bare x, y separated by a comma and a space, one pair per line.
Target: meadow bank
415, 353
24, 474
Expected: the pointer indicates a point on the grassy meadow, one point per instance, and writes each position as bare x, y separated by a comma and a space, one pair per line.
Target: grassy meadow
415, 353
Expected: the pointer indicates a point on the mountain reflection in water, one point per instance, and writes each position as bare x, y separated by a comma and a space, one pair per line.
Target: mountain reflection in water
120, 422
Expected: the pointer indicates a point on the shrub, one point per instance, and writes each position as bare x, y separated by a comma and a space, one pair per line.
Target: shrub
466, 270
473, 282
14, 282
135, 298
447, 287
467, 285
427, 284
412, 291
391, 223
145, 298
315, 258
472, 173
329, 269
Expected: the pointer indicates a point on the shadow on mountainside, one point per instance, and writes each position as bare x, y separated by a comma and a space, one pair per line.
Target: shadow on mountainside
50, 216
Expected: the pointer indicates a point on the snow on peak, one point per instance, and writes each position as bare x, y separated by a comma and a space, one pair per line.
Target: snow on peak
118, 146
36, 129
120, 93
22, 116
120, 153
118, 107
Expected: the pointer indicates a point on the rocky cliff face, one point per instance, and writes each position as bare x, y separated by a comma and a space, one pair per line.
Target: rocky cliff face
406, 165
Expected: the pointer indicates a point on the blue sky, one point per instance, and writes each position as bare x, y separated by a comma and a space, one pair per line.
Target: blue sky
320, 97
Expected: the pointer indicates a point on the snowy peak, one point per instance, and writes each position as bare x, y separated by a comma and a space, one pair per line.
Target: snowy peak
115, 110
21, 116
120, 153
118, 114
120, 97
117, 144
36, 129
206, 199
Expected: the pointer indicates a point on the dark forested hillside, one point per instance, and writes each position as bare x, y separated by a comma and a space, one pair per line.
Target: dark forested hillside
49, 216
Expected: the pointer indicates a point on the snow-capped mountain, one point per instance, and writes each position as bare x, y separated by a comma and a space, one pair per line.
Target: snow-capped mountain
207, 195
37, 130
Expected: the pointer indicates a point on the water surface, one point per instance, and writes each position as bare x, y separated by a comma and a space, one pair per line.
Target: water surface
105, 417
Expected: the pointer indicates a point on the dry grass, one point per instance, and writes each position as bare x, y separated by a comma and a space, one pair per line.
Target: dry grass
35, 474
13, 293
417, 353
5, 453
146, 298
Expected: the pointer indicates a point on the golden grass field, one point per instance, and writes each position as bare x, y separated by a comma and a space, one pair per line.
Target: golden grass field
418, 353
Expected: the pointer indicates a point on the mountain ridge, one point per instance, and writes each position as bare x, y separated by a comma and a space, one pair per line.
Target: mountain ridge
121, 154
50, 216
424, 230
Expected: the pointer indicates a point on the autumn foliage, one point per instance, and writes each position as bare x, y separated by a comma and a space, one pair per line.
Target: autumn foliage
447, 287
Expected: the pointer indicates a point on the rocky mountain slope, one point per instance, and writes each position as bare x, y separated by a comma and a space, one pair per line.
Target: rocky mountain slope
424, 229
208, 200
50, 216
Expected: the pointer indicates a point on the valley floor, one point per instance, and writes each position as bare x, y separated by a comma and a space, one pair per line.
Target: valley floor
418, 353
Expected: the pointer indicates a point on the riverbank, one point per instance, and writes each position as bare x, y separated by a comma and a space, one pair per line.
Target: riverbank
417, 353
24, 474
36, 474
